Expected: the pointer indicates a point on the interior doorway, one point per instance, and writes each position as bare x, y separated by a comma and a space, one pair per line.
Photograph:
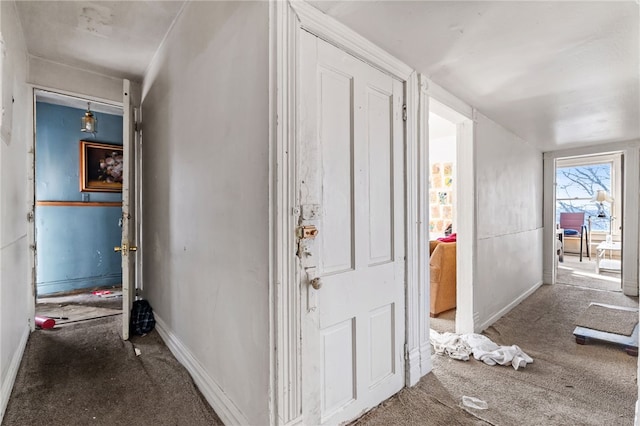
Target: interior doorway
588, 217
442, 223
77, 209
451, 188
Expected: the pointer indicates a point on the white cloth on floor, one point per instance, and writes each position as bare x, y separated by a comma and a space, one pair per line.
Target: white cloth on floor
450, 344
483, 349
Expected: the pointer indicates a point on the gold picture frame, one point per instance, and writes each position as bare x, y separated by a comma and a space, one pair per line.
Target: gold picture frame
101, 167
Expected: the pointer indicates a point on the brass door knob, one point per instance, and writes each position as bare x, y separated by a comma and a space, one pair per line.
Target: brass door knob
125, 248
316, 283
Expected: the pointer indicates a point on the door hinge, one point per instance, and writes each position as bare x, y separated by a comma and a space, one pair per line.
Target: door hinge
404, 112
406, 352
137, 126
30, 216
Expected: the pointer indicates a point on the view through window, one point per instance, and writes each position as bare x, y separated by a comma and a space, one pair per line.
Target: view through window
576, 187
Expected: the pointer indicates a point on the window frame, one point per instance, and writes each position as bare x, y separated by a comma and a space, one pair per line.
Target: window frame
615, 160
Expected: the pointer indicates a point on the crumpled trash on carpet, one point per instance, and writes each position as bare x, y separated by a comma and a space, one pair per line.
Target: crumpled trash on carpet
460, 346
473, 402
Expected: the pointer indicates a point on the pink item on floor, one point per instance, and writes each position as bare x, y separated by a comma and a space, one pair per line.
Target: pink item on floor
45, 322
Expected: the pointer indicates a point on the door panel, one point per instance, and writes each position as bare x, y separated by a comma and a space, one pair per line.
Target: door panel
351, 171
380, 141
337, 171
381, 348
338, 382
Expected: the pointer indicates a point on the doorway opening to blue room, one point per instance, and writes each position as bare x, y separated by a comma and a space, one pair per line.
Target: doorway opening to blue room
78, 161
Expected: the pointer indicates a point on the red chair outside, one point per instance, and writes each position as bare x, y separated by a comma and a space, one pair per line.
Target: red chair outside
574, 227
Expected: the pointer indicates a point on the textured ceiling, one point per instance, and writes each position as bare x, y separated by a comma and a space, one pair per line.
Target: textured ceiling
558, 74
115, 38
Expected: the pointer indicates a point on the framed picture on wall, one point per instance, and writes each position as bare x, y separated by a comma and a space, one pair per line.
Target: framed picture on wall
101, 167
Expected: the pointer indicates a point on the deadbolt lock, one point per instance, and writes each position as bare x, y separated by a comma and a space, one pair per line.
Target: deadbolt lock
306, 232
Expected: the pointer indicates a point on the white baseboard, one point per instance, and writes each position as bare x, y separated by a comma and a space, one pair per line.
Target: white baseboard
425, 359
12, 372
495, 317
413, 370
630, 288
219, 401
636, 421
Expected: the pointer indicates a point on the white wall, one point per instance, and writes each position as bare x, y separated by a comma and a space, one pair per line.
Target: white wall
205, 191
509, 221
52, 75
15, 291
443, 149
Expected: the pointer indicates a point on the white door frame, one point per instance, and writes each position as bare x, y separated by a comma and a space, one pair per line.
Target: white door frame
630, 205
31, 229
462, 115
289, 19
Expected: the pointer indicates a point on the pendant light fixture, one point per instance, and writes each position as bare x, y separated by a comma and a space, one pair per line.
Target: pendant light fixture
89, 121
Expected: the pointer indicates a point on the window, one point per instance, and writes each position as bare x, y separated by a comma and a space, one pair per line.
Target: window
578, 181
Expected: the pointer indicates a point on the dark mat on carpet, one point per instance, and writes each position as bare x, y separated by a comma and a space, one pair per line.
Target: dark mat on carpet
610, 319
85, 374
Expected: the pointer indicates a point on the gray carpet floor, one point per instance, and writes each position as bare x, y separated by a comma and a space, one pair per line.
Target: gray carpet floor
84, 374
567, 384
583, 274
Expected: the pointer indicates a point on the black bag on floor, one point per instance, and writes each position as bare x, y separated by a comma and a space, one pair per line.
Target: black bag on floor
142, 320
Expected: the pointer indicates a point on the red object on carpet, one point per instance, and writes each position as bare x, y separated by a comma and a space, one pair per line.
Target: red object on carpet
44, 322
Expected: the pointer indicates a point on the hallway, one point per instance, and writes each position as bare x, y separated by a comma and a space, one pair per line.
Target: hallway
215, 217
85, 374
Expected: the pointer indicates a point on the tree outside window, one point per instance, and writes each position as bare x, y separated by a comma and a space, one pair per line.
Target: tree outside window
576, 186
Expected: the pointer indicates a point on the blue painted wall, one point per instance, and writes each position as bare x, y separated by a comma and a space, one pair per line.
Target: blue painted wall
74, 244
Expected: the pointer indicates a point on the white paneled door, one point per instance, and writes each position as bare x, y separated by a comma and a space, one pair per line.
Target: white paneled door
351, 188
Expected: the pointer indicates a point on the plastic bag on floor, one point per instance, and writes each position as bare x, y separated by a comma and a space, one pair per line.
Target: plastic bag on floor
450, 344
472, 402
